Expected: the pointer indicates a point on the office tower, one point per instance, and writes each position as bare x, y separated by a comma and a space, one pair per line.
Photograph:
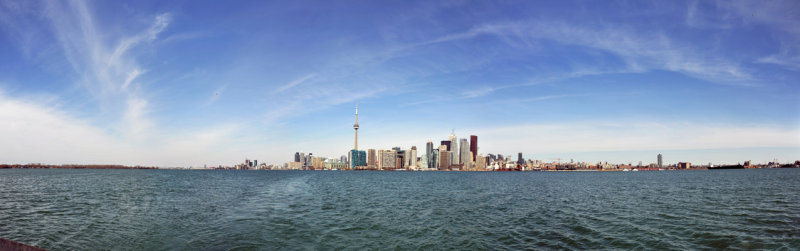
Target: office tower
296, 156
412, 157
358, 159
520, 161
429, 153
660, 161
446, 143
464, 154
473, 146
423, 161
452, 157
372, 161
401, 157
481, 162
255, 162
454, 147
355, 127
388, 160
444, 159
434, 160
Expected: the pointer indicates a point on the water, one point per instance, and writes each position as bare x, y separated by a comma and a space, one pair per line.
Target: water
224, 210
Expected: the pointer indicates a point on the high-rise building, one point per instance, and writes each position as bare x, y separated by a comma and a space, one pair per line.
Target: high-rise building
473, 146
411, 159
388, 160
454, 148
660, 161
434, 160
447, 144
358, 159
296, 156
372, 160
464, 154
444, 159
429, 154
520, 160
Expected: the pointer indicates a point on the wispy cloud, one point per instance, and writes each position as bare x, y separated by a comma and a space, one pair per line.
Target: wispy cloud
642, 51
294, 83
106, 65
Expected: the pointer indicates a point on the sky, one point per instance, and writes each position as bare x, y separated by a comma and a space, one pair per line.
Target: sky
193, 83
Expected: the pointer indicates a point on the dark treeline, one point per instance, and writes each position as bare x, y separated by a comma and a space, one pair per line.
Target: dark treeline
73, 166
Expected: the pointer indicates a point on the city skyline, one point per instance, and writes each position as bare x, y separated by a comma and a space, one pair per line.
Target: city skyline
193, 84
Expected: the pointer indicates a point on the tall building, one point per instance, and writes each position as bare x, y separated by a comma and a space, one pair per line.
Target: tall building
520, 160
473, 146
464, 154
434, 160
388, 160
429, 154
446, 143
372, 161
357, 159
411, 159
660, 161
454, 147
444, 159
355, 127
296, 156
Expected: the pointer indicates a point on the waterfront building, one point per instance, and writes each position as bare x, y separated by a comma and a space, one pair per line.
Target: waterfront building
297, 165
464, 154
358, 159
660, 161
333, 164
429, 154
296, 156
401, 156
444, 159
473, 146
454, 148
388, 160
412, 158
520, 160
434, 160
372, 160
481, 165
685, 165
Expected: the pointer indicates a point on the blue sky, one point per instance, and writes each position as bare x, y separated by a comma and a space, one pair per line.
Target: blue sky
187, 83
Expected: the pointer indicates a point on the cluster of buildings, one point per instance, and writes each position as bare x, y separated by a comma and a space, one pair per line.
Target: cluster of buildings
451, 154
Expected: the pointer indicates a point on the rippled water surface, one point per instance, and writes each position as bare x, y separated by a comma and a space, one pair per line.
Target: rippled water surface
223, 210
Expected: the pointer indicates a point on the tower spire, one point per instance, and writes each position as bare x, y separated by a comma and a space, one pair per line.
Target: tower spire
355, 127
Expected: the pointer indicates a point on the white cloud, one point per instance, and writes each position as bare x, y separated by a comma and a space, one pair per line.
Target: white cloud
592, 136
36, 131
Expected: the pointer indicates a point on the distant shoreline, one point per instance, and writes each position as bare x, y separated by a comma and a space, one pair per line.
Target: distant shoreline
73, 166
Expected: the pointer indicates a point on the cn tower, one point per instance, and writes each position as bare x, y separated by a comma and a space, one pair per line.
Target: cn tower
355, 126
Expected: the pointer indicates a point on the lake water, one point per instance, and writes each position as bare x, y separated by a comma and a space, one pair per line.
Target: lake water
357, 210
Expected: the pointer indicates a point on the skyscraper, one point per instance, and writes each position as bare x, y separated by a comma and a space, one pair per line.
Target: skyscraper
520, 160
464, 154
429, 154
447, 144
473, 146
660, 161
454, 147
372, 160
